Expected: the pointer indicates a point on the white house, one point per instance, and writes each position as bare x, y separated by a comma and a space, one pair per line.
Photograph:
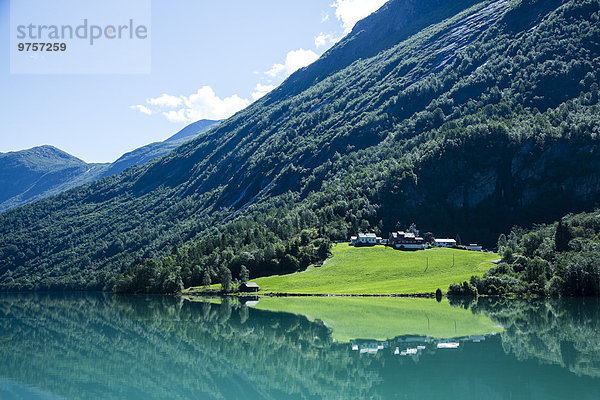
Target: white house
406, 240
474, 247
365, 239
445, 242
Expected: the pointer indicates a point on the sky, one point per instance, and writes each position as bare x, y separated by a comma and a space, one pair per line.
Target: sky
209, 59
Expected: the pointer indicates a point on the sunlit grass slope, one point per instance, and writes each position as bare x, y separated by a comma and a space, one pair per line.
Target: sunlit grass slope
382, 318
382, 270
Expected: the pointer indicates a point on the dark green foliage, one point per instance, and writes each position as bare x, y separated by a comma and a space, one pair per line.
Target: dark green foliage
244, 274
582, 275
162, 276
458, 240
206, 280
225, 278
478, 123
502, 243
562, 237
541, 268
464, 289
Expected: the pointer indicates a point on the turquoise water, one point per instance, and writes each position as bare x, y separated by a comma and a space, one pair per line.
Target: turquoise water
95, 346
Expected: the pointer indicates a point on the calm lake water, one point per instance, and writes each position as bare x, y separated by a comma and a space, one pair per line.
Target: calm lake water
96, 346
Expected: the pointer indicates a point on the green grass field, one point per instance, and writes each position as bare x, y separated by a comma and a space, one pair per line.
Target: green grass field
382, 318
382, 270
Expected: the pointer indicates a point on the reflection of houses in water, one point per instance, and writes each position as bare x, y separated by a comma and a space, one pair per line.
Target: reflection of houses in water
249, 301
477, 338
368, 347
411, 345
448, 344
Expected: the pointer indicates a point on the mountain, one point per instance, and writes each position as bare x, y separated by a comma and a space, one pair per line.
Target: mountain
479, 117
45, 171
153, 150
41, 172
395, 21
193, 129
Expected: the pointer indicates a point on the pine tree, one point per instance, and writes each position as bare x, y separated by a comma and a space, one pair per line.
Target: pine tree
562, 237
502, 242
244, 274
206, 281
225, 279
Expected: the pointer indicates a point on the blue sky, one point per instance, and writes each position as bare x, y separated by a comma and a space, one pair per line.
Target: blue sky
209, 59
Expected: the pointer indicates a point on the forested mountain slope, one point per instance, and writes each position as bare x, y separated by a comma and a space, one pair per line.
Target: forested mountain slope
475, 123
45, 171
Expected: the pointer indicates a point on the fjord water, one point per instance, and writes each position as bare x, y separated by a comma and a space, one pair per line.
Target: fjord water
88, 346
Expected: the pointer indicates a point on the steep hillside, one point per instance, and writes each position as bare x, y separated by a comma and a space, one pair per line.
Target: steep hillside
396, 21
45, 171
468, 124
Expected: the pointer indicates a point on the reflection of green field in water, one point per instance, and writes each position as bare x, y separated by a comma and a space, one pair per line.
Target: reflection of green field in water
382, 318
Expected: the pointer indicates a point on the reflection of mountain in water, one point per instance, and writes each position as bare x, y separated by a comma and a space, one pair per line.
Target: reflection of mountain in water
90, 346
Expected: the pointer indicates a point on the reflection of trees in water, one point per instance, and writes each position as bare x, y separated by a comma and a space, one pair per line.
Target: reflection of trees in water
557, 331
91, 346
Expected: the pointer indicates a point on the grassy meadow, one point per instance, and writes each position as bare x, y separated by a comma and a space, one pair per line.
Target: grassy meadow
382, 270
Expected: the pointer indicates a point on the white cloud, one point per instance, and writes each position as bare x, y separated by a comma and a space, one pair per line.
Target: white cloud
166, 101
324, 40
349, 12
261, 90
294, 60
204, 104
324, 16
176, 116
275, 70
142, 109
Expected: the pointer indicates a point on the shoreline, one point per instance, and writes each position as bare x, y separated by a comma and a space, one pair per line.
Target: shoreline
283, 294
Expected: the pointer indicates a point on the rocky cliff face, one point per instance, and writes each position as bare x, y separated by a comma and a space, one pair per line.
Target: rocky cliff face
395, 21
505, 186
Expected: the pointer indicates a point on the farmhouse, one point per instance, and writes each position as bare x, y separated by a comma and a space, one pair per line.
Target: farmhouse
474, 247
249, 287
365, 239
445, 242
406, 240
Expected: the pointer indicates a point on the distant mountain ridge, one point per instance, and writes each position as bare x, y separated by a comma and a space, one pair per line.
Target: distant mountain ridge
40, 172
44, 171
153, 150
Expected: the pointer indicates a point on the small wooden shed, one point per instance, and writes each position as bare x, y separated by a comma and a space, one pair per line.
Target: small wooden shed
249, 287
